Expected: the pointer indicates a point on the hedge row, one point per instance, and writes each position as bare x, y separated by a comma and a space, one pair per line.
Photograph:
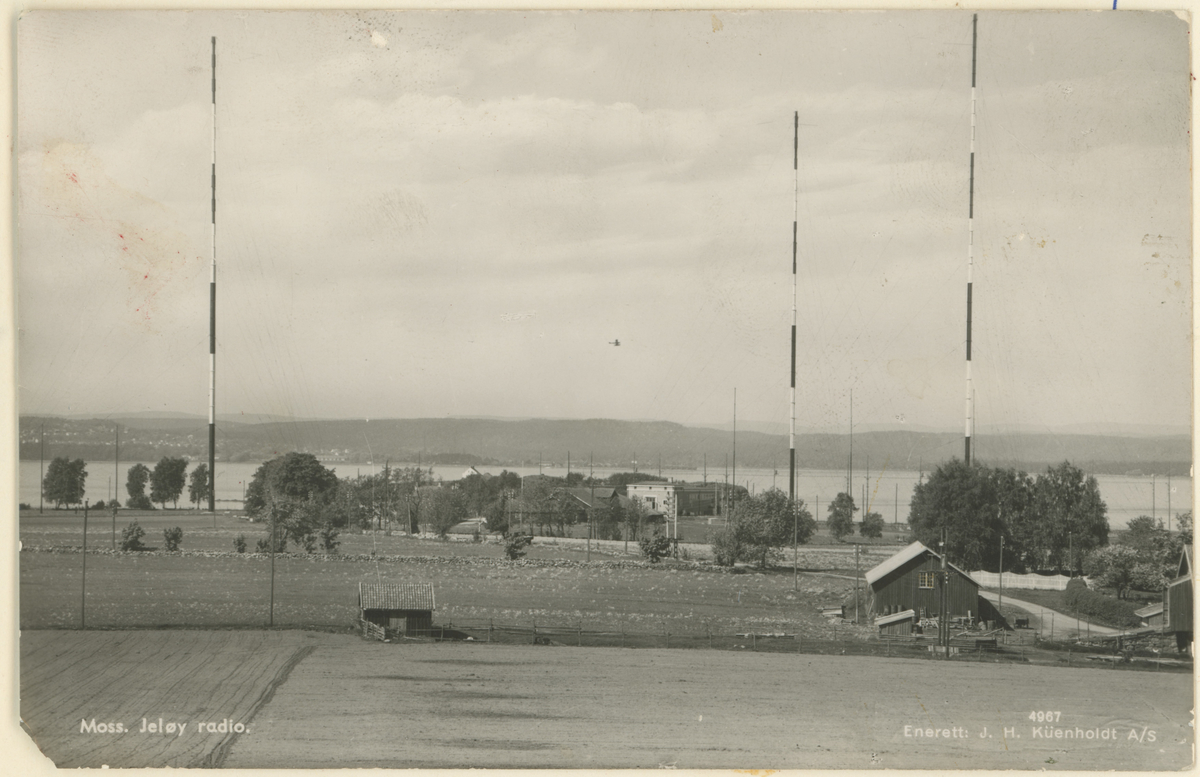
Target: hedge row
1114, 612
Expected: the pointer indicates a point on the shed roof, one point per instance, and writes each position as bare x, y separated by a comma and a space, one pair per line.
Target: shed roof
395, 596
903, 557
1148, 610
894, 617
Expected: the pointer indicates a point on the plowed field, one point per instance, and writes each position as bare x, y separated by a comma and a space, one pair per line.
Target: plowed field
72, 680
327, 700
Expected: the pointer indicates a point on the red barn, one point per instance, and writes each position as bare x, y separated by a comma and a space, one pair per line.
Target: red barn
910, 580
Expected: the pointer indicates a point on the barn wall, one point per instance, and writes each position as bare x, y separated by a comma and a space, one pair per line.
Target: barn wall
1178, 606
900, 591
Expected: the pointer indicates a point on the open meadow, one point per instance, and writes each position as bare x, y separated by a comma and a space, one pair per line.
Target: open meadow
329, 700
210, 585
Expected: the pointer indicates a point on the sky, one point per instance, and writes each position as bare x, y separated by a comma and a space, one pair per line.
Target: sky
457, 213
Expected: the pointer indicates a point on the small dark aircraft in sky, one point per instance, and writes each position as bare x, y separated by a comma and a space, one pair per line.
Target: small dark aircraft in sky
614, 342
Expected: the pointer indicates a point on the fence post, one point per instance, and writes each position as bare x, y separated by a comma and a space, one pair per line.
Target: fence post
708, 634
622, 637
489, 631
668, 638
753, 644
579, 636
535, 632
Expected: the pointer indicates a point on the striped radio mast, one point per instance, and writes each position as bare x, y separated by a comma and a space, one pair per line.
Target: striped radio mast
795, 215
212, 307
970, 416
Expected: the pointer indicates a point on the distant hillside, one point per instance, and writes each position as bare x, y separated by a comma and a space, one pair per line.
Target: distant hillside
609, 443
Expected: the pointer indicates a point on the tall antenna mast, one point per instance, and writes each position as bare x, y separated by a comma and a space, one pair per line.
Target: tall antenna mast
970, 417
795, 217
212, 309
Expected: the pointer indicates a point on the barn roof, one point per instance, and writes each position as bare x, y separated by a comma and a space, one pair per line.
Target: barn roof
903, 557
395, 596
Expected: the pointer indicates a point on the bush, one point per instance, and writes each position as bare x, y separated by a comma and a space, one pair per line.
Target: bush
131, 537
515, 545
329, 538
872, 525
139, 502
99, 505
1085, 601
172, 538
239, 543
655, 548
264, 545
24, 506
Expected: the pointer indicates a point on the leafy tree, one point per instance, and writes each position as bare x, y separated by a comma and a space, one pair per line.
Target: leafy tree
295, 493
198, 485
64, 481
167, 480
447, 507
971, 503
1185, 528
633, 515
293, 477
1112, 567
1072, 515
841, 515
872, 525
172, 538
135, 484
239, 543
761, 527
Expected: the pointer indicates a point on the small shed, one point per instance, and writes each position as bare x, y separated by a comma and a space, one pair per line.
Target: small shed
897, 624
1151, 614
400, 609
1177, 604
911, 580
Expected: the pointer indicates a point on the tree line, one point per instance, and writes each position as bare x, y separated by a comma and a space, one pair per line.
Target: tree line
64, 484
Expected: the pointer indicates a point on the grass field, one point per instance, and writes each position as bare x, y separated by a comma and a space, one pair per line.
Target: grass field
329, 700
211, 586
158, 589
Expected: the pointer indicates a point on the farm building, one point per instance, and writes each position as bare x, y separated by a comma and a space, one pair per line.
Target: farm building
1177, 604
896, 624
1151, 615
400, 609
910, 580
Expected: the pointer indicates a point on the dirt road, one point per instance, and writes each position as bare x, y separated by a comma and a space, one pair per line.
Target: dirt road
1061, 623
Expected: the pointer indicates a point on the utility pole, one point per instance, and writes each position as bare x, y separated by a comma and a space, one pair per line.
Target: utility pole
735, 443
591, 507
1168, 501
1000, 604
943, 618
271, 615
896, 517
856, 584
117, 463
850, 465
83, 591
1153, 496
42, 469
